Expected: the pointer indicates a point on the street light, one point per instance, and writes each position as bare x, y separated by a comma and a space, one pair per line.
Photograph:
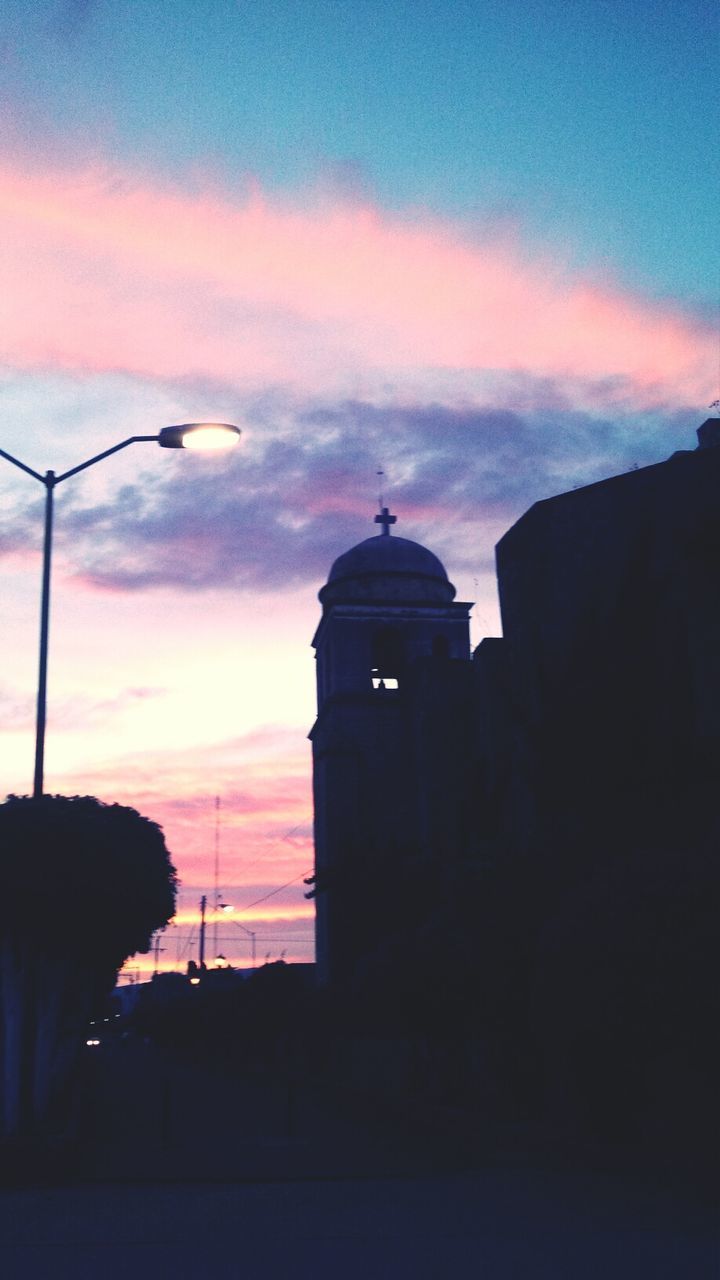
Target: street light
188, 435
205, 436
251, 934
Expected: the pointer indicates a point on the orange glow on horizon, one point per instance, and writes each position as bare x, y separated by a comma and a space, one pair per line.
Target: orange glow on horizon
261, 915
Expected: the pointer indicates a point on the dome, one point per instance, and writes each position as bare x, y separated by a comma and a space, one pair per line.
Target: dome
388, 568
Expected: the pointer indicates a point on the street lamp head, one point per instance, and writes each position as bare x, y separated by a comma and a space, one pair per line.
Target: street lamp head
206, 436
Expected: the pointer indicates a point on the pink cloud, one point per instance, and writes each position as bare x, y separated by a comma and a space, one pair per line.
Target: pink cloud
263, 781
76, 714
105, 274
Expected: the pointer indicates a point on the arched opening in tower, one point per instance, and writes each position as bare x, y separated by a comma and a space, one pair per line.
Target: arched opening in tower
388, 658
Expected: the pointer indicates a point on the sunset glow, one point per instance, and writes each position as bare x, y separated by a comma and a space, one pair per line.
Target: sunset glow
437, 267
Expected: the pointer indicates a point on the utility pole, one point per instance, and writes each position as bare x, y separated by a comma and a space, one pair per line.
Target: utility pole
157, 949
201, 957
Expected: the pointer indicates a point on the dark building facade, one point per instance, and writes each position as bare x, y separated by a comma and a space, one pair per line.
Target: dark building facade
575, 761
611, 624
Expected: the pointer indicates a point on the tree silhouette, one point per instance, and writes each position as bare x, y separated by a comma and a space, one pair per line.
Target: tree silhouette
83, 885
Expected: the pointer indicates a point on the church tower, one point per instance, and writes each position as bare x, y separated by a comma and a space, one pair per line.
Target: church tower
388, 648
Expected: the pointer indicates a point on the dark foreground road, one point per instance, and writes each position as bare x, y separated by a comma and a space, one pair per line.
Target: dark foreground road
198, 1174
501, 1225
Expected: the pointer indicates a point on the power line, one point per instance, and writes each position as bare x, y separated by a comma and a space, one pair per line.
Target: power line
292, 830
269, 937
274, 842
187, 943
274, 891
257, 901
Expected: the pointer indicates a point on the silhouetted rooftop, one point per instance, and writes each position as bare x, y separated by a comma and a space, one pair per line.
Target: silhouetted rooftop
386, 564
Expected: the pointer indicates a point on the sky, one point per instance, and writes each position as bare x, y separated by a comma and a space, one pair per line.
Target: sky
470, 245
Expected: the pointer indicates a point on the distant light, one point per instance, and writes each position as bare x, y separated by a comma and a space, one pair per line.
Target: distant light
92, 1042
194, 982
205, 436
384, 682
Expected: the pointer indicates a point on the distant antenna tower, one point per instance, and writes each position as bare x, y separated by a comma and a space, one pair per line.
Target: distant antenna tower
381, 476
216, 899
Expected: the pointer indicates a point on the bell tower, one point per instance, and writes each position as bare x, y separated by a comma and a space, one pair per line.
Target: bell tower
390, 632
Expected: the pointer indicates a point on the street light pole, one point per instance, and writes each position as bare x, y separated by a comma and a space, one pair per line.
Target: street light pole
189, 435
49, 482
251, 933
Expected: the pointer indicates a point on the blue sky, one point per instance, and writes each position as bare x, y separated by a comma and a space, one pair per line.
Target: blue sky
594, 123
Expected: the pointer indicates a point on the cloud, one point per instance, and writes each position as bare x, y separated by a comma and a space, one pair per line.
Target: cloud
344, 339
76, 714
275, 515
262, 779
17, 711
105, 271
21, 524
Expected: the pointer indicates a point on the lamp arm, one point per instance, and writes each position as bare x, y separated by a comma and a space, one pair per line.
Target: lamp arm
91, 461
249, 932
16, 462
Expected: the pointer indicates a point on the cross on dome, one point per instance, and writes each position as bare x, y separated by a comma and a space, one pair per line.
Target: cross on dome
385, 519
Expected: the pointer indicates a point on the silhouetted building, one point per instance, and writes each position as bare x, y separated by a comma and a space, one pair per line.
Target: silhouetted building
590, 731
551, 804
393, 652
610, 675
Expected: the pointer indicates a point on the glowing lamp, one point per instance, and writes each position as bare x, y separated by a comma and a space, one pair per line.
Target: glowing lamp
202, 436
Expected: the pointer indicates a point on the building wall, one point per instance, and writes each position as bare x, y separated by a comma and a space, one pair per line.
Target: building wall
562, 790
610, 753
611, 618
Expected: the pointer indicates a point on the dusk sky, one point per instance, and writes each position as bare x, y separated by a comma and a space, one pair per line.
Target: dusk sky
473, 245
